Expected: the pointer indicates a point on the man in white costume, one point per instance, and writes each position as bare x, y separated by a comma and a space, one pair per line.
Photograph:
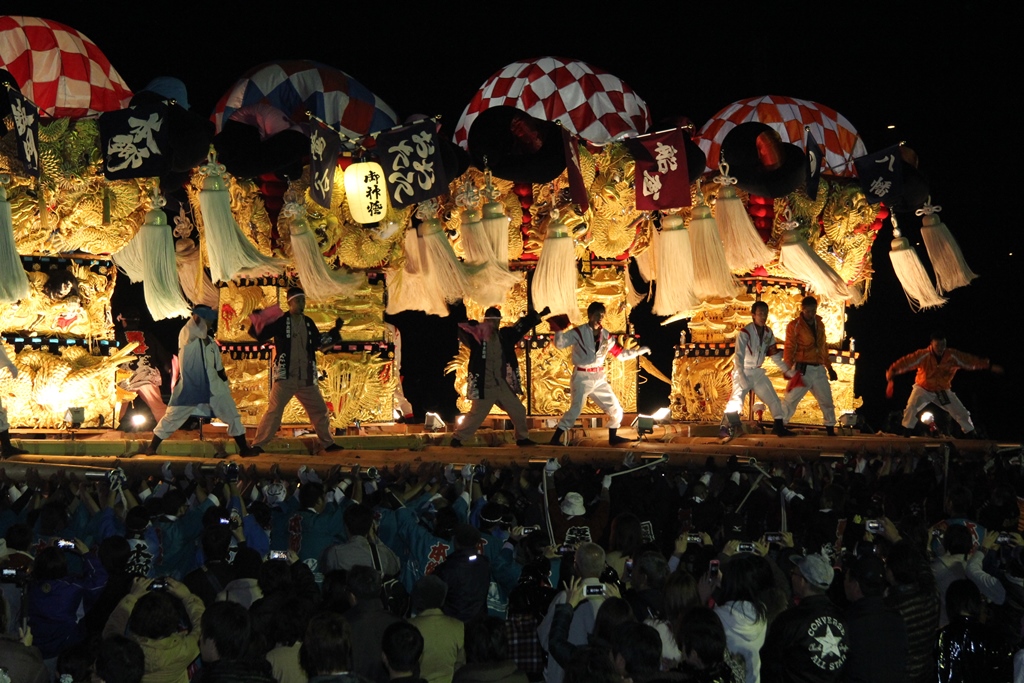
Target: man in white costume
754, 343
203, 385
8, 448
591, 344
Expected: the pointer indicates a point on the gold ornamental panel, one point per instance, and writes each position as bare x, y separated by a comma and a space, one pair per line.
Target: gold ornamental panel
237, 302
249, 379
51, 381
550, 372
702, 384
68, 299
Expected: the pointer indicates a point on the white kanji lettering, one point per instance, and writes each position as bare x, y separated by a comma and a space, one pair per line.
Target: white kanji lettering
424, 144
889, 159
317, 145
665, 155
426, 176
136, 146
323, 183
402, 182
880, 187
23, 122
402, 152
652, 185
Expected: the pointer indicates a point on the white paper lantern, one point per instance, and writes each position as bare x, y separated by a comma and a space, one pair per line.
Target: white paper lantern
366, 193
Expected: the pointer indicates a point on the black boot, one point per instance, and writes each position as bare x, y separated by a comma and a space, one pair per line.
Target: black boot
556, 439
614, 439
153, 446
8, 448
830, 430
780, 429
243, 448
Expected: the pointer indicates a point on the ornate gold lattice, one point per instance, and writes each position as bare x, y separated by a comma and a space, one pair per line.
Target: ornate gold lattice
50, 383
237, 302
77, 307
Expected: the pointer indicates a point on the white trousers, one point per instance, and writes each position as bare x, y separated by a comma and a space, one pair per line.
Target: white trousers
759, 383
223, 407
816, 382
919, 398
596, 386
504, 398
4, 425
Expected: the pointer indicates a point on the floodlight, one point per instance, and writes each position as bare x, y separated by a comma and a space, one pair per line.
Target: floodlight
433, 422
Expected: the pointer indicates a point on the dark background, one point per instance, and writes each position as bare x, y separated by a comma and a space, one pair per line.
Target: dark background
941, 73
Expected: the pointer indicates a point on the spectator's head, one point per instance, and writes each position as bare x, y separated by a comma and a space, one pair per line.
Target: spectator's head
247, 563
75, 662
275, 575
960, 502
833, 497
589, 560
401, 649
154, 616
865, 578
467, 537
49, 565
590, 664
120, 660
650, 571
358, 520
701, 639
311, 496
363, 583
610, 615
626, 536
811, 575
636, 650
114, 552
957, 540
327, 646
963, 599
681, 594
429, 593
136, 520
226, 631
216, 542
486, 640
741, 582
572, 505
493, 514
19, 537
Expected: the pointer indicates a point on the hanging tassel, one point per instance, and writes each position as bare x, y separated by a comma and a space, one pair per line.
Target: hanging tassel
229, 251
408, 289
951, 270
318, 279
911, 274
130, 259
798, 258
673, 293
44, 211
554, 280
744, 249
711, 276
198, 286
495, 221
441, 265
647, 262
490, 279
13, 279
160, 279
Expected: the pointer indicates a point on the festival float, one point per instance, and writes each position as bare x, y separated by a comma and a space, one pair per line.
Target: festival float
557, 190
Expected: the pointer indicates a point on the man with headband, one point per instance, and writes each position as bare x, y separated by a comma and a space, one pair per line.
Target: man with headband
296, 340
494, 372
202, 387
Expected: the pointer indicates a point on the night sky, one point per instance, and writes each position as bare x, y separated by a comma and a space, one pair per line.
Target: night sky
935, 71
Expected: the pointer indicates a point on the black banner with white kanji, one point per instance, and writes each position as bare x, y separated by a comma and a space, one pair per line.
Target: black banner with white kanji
412, 162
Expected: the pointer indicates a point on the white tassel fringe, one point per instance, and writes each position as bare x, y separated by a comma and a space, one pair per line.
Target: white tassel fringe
228, 250
13, 279
555, 279
673, 293
798, 258
712, 278
160, 280
129, 259
198, 286
408, 289
913, 277
319, 280
951, 270
744, 249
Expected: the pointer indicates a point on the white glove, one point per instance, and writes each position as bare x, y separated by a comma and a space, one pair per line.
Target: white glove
165, 472
449, 473
308, 474
552, 466
644, 350
467, 472
606, 483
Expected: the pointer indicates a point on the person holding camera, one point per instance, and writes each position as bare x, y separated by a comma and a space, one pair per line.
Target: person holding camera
21, 661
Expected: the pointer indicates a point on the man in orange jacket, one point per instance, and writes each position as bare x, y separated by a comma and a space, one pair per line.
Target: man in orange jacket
936, 365
806, 352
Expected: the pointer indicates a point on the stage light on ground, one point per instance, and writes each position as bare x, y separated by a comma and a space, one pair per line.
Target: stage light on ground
661, 414
218, 423
74, 417
433, 422
848, 419
459, 420
928, 418
138, 420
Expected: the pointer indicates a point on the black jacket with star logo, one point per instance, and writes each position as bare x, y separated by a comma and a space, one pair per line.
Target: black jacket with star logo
806, 644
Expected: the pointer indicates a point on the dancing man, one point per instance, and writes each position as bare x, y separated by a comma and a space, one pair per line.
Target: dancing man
806, 352
296, 340
494, 372
203, 384
754, 343
935, 366
591, 343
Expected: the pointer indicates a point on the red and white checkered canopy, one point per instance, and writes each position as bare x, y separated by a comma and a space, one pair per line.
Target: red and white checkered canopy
788, 116
589, 102
60, 70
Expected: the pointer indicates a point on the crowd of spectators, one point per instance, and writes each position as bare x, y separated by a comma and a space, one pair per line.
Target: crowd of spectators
873, 569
